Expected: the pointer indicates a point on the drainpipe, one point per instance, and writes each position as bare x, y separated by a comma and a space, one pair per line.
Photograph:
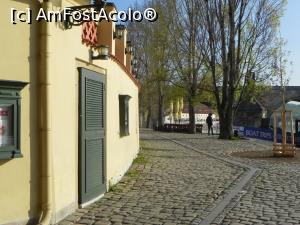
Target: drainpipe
45, 120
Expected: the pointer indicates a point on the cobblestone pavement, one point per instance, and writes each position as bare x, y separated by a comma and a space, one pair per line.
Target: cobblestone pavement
171, 184
167, 184
271, 197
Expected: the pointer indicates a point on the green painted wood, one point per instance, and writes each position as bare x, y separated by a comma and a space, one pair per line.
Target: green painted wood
12, 151
124, 114
92, 181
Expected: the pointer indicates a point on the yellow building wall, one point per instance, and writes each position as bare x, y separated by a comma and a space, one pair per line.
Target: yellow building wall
20, 178
67, 53
120, 150
20, 183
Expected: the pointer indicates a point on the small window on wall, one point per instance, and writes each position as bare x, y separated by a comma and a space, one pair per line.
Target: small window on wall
124, 114
10, 119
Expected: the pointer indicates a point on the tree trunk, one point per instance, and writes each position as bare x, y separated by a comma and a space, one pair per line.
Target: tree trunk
161, 111
148, 121
161, 99
226, 123
192, 120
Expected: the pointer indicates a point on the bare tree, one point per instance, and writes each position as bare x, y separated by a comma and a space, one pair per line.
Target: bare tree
151, 41
187, 61
239, 36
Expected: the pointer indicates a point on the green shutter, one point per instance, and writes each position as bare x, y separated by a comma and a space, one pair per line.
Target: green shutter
92, 135
124, 114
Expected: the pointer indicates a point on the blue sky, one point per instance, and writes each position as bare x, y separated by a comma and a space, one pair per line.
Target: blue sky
290, 31
123, 4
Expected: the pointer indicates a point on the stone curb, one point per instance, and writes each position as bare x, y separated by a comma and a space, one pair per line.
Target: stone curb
233, 194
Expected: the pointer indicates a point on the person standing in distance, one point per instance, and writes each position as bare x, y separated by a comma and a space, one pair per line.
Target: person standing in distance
209, 122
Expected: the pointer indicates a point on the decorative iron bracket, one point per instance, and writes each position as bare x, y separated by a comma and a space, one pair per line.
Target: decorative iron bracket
69, 21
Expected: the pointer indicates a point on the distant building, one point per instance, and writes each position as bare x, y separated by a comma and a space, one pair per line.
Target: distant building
258, 113
201, 113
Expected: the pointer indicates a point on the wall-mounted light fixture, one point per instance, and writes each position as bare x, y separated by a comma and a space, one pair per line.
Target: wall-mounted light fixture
129, 48
119, 32
69, 22
134, 70
134, 62
103, 52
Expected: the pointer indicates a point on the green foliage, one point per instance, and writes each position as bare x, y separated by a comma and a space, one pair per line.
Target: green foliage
181, 56
235, 138
141, 159
151, 41
114, 188
133, 173
175, 92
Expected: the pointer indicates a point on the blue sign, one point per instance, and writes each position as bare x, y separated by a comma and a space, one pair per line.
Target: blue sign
265, 134
258, 133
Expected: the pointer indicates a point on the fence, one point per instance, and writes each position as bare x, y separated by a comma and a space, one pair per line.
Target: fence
180, 128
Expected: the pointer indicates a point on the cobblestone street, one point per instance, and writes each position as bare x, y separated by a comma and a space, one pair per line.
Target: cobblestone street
186, 179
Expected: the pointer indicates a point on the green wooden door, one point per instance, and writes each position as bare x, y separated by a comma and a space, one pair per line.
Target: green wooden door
91, 135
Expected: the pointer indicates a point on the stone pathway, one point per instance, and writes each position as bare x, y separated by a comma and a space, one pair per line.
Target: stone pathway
171, 183
168, 184
271, 197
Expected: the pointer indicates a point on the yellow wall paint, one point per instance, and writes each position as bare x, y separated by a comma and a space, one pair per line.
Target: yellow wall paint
120, 151
20, 187
21, 177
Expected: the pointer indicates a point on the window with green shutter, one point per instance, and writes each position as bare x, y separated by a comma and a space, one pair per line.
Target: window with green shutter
124, 114
10, 109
